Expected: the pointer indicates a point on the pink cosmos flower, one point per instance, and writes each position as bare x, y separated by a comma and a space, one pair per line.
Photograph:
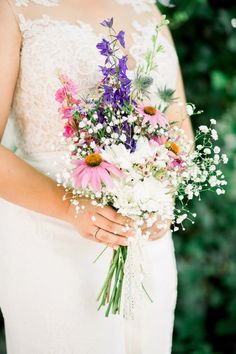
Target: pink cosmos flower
152, 115
93, 171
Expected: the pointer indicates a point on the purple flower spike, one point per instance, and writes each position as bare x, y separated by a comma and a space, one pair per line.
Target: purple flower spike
108, 22
105, 48
121, 38
123, 64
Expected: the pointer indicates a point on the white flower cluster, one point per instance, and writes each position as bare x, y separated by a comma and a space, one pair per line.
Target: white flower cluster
142, 198
139, 194
204, 173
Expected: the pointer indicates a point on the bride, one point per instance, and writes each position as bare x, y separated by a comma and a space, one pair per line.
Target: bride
48, 283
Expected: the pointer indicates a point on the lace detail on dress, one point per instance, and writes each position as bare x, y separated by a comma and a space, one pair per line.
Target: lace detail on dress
50, 47
25, 3
166, 60
138, 5
31, 28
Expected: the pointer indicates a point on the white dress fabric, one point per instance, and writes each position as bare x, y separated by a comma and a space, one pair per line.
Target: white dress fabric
48, 282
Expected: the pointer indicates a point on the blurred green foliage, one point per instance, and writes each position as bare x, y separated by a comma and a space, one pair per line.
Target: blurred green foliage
206, 253
206, 311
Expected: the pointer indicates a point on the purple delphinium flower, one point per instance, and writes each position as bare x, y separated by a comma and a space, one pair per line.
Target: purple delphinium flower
107, 71
108, 22
115, 83
130, 142
105, 49
100, 113
108, 94
116, 94
125, 82
133, 145
121, 38
123, 64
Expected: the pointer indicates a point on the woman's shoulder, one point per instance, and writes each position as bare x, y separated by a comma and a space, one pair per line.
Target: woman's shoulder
8, 20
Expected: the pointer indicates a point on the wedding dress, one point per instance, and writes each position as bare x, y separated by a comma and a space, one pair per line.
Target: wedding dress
48, 282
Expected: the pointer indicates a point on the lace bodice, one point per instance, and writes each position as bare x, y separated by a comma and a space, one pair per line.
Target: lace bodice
52, 43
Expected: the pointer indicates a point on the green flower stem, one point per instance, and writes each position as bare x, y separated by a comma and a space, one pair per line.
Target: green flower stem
117, 300
110, 273
113, 280
114, 290
144, 289
117, 286
100, 254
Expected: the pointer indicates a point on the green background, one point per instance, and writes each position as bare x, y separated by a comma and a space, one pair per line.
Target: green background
206, 253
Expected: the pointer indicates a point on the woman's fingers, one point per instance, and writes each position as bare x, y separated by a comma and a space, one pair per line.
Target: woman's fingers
158, 233
114, 247
154, 231
112, 227
108, 238
112, 215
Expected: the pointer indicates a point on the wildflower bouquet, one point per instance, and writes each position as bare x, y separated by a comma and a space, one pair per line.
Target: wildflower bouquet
125, 154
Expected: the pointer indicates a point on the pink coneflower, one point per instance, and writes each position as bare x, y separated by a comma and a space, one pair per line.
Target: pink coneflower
152, 115
159, 140
93, 171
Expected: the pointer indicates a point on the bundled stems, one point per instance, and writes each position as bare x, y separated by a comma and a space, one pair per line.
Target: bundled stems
111, 291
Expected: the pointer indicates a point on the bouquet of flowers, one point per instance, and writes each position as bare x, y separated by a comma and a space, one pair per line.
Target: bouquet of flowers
126, 154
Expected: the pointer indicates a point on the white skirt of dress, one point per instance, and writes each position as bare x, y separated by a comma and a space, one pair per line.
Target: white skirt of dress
49, 284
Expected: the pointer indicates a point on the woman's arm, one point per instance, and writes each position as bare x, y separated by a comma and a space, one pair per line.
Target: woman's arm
19, 182
23, 185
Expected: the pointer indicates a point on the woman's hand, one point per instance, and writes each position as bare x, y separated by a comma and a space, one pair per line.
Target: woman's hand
155, 232
103, 225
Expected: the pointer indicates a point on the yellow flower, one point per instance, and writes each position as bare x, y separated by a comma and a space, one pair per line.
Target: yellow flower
93, 160
150, 110
174, 148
